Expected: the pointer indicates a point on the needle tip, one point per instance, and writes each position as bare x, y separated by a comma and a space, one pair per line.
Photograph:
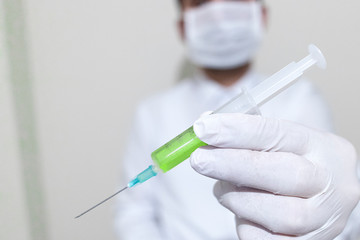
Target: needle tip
101, 202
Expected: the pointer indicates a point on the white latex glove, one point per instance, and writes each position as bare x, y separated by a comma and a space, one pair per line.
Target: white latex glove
282, 180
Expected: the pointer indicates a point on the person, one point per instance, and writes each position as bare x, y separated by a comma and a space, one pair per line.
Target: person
282, 174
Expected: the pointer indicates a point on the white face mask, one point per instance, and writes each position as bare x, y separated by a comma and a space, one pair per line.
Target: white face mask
224, 34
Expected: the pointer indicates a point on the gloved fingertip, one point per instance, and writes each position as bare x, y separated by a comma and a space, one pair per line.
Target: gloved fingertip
199, 128
206, 128
197, 162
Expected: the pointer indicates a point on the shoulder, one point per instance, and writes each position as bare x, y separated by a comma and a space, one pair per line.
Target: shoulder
301, 89
304, 88
298, 94
302, 103
169, 96
305, 95
159, 115
164, 106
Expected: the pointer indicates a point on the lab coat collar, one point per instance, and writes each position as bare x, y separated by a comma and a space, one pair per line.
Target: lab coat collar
206, 86
210, 95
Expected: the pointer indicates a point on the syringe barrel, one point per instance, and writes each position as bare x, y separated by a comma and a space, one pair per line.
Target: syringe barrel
180, 148
176, 150
242, 103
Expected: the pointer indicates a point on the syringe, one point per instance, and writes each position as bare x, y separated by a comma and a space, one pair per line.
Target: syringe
180, 148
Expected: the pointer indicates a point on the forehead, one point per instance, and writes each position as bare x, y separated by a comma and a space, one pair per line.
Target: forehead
195, 3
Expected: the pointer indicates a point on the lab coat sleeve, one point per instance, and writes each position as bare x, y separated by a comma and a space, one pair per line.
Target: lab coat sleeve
136, 207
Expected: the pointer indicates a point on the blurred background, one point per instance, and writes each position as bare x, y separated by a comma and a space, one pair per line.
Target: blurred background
72, 71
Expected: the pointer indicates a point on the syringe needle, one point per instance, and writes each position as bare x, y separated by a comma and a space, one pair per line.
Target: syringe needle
102, 202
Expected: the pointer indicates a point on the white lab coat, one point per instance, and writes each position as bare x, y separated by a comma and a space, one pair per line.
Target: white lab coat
180, 205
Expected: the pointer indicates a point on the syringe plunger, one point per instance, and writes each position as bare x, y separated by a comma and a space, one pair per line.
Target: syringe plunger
286, 76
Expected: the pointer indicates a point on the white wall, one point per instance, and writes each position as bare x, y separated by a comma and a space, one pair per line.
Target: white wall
93, 61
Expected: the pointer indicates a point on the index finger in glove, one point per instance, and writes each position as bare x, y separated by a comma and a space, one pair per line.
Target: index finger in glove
236, 130
276, 172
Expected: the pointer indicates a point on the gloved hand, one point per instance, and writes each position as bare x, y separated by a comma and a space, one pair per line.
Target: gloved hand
282, 180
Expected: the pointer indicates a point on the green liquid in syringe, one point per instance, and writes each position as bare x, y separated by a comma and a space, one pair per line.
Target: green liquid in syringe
177, 150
